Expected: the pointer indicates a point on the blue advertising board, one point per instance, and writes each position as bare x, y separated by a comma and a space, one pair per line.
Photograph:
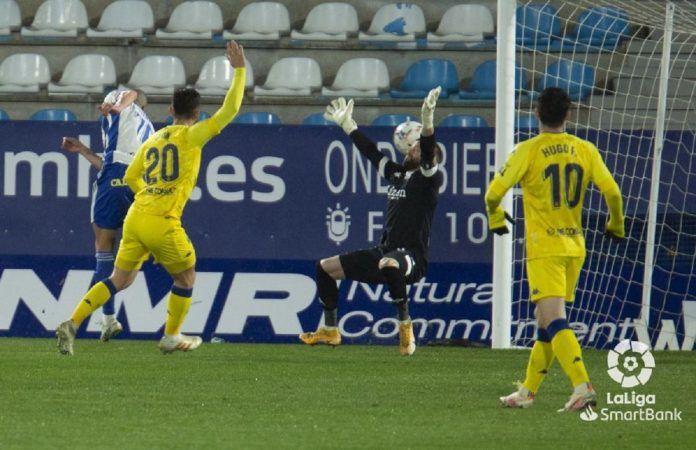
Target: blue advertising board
269, 202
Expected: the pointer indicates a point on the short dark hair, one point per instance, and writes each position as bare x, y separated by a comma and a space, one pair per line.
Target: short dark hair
186, 102
553, 106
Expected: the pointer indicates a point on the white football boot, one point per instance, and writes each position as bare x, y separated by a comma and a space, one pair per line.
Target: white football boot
110, 328
583, 397
521, 398
65, 333
180, 342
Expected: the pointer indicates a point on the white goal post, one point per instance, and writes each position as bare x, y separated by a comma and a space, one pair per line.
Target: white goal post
630, 67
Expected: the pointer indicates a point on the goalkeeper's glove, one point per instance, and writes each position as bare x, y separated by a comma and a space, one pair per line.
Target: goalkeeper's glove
428, 108
341, 113
615, 229
496, 221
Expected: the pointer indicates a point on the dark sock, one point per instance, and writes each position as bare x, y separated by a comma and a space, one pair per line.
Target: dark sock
328, 295
402, 311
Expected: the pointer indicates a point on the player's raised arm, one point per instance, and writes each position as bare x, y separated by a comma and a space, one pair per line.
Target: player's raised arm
340, 112
73, 145
203, 131
428, 164
605, 182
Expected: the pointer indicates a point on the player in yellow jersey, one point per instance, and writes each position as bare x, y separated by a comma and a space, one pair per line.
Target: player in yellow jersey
162, 175
554, 170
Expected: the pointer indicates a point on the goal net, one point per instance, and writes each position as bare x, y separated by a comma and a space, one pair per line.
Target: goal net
608, 55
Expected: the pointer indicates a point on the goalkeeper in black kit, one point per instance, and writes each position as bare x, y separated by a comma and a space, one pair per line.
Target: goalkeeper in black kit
401, 258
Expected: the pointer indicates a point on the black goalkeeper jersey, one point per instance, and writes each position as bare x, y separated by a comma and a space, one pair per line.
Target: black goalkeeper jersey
412, 196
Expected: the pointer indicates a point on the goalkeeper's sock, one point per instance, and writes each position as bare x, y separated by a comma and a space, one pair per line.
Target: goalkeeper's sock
93, 299
540, 360
327, 290
567, 350
103, 269
177, 308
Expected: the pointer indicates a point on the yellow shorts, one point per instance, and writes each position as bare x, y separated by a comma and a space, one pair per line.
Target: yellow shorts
164, 238
554, 276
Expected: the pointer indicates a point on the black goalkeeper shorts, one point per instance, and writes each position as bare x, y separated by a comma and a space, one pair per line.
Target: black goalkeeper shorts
363, 265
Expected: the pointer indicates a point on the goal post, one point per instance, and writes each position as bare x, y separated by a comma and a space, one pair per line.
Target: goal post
630, 69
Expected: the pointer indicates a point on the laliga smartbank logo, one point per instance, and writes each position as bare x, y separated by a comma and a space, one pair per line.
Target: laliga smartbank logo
630, 364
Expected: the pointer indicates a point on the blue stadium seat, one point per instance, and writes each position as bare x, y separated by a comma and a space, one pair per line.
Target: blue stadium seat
537, 24
576, 78
4, 115
602, 26
527, 123
482, 85
258, 118
54, 114
391, 120
463, 121
424, 75
316, 119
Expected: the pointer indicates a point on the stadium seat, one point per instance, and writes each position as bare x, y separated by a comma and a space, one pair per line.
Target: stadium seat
391, 120
602, 26
397, 22
464, 23
58, 18
85, 74
526, 123
329, 22
537, 24
124, 18
193, 20
54, 115
24, 72
359, 77
576, 78
4, 115
158, 74
292, 77
10, 16
217, 74
260, 21
258, 118
316, 119
426, 74
463, 121
483, 82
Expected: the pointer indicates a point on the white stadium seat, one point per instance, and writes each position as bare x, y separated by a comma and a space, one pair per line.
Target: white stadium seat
193, 20
58, 18
24, 72
464, 23
10, 17
291, 77
124, 18
359, 77
217, 74
329, 22
261, 21
158, 75
396, 22
85, 74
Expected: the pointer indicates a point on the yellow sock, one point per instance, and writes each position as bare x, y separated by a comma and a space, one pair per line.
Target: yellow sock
567, 350
540, 359
177, 308
93, 299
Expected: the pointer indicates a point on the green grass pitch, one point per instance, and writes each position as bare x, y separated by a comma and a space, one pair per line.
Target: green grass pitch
125, 394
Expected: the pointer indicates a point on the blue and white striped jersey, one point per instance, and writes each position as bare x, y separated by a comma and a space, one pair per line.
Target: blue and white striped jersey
124, 133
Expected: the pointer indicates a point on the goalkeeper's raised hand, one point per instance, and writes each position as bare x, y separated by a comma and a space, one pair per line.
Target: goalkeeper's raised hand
496, 221
428, 108
615, 229
341, 113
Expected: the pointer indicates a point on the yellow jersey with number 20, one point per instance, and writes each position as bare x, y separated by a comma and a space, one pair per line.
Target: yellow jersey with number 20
165, 168
554, 170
